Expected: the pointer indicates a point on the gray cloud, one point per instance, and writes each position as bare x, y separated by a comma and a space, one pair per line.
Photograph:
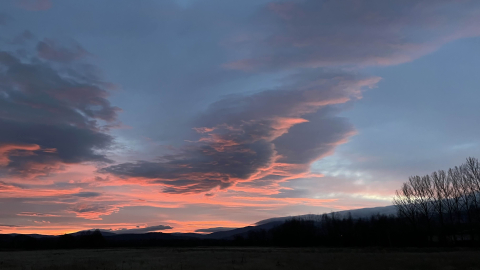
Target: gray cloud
313, 33
50, 116
308, 141
50, 145
87, 194
34, 214
92, 211
240, 136
22, 38
200, 168
49, 49
83, 208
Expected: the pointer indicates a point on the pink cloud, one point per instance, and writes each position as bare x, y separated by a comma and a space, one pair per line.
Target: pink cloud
13, 149
92, 211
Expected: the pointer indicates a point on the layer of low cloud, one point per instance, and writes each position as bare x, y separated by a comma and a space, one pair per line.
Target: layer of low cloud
35, 214
9, 226
212, 230
143, 230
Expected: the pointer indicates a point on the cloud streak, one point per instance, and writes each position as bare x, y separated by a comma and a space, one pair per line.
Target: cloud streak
143, 230
212, 230
92, 211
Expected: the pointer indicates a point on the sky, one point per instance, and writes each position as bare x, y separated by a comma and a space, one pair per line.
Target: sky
192, 115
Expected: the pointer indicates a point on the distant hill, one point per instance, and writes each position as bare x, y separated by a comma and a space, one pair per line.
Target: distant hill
228, 235
356, 214
266, 224
146, 236
103, 232
37, 236
273, 222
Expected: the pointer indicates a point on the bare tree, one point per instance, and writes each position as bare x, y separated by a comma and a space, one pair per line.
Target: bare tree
406, 204
440, 198
472, 171
443, 200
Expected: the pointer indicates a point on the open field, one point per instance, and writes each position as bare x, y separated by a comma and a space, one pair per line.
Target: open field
239, 258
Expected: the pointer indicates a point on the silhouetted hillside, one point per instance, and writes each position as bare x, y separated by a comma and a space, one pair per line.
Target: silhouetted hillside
275, 231
231, 234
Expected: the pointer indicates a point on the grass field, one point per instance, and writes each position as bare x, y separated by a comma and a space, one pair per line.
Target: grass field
239, 258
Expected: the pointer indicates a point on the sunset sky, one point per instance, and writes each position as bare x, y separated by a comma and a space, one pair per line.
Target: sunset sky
183, 115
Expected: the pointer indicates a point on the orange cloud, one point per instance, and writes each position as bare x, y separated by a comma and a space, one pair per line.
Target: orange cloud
12, 149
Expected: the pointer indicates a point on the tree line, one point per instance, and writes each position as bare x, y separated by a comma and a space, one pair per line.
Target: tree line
445, 205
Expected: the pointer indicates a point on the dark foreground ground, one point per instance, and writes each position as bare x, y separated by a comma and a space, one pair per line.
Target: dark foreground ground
240, 258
